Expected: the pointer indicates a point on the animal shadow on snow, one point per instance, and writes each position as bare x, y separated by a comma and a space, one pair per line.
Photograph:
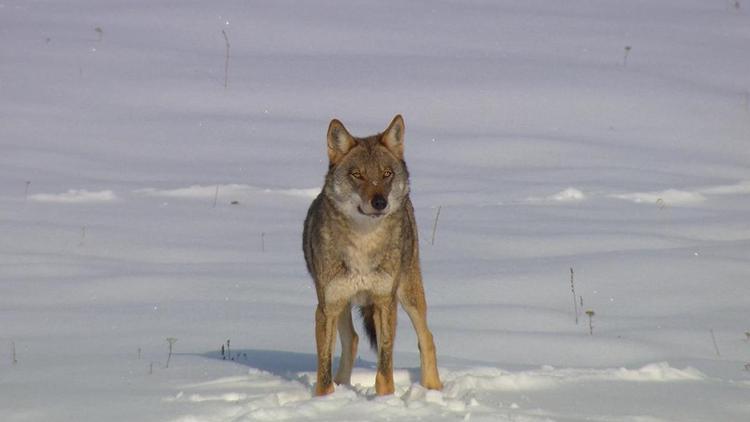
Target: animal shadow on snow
289, 365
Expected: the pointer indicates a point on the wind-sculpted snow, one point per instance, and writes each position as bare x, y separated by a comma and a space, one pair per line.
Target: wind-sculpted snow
262, 396
75, 196
566, 195
224, 191
669, 196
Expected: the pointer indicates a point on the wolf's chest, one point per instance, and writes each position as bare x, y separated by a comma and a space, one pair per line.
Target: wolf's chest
365, 252
359, 288
361, 258
366, 269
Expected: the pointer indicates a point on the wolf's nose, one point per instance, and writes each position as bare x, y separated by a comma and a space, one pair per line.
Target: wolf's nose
379, 202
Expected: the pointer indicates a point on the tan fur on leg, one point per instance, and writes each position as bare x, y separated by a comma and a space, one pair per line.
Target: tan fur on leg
349, 340
325, 336
385, 323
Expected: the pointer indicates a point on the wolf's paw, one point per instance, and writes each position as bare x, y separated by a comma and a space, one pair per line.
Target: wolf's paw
323, 390
432, 384
384, 384
342, 380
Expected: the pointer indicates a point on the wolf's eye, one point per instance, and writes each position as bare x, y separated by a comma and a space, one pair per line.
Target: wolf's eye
356, 174
388, 173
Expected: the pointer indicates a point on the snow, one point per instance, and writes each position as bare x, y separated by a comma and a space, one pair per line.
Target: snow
75, 196
669, 196
569, 194
224, 191
141, 200
456, 401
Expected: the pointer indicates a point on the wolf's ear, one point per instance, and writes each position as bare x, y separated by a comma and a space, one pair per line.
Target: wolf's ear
393, 137
339, 141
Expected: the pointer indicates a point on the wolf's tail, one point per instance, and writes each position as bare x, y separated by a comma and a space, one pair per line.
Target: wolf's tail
368, 321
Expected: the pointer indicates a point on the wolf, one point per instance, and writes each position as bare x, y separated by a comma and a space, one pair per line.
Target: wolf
361, 249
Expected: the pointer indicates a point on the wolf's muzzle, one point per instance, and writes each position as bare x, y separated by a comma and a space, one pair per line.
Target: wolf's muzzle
379, 202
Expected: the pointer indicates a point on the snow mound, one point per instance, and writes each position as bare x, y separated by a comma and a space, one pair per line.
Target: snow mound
265, 400
548, 377
665, 197
75, 196
742, 187
567, 195
685, 197
570, 194
220, 191
467, 393
302, 193
657, 372
195, 191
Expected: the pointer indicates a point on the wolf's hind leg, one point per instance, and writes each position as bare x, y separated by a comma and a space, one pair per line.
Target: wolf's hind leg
385, 329
349, 340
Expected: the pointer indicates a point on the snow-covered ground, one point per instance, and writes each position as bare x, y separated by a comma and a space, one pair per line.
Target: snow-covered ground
141, 200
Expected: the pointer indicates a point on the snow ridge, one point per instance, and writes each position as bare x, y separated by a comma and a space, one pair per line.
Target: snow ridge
75, 196
265, 397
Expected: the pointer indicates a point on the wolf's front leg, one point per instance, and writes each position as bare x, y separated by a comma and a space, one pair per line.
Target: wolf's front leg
411, 296
384, 317
325, 338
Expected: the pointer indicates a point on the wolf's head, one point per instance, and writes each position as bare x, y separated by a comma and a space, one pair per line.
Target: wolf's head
367, 177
